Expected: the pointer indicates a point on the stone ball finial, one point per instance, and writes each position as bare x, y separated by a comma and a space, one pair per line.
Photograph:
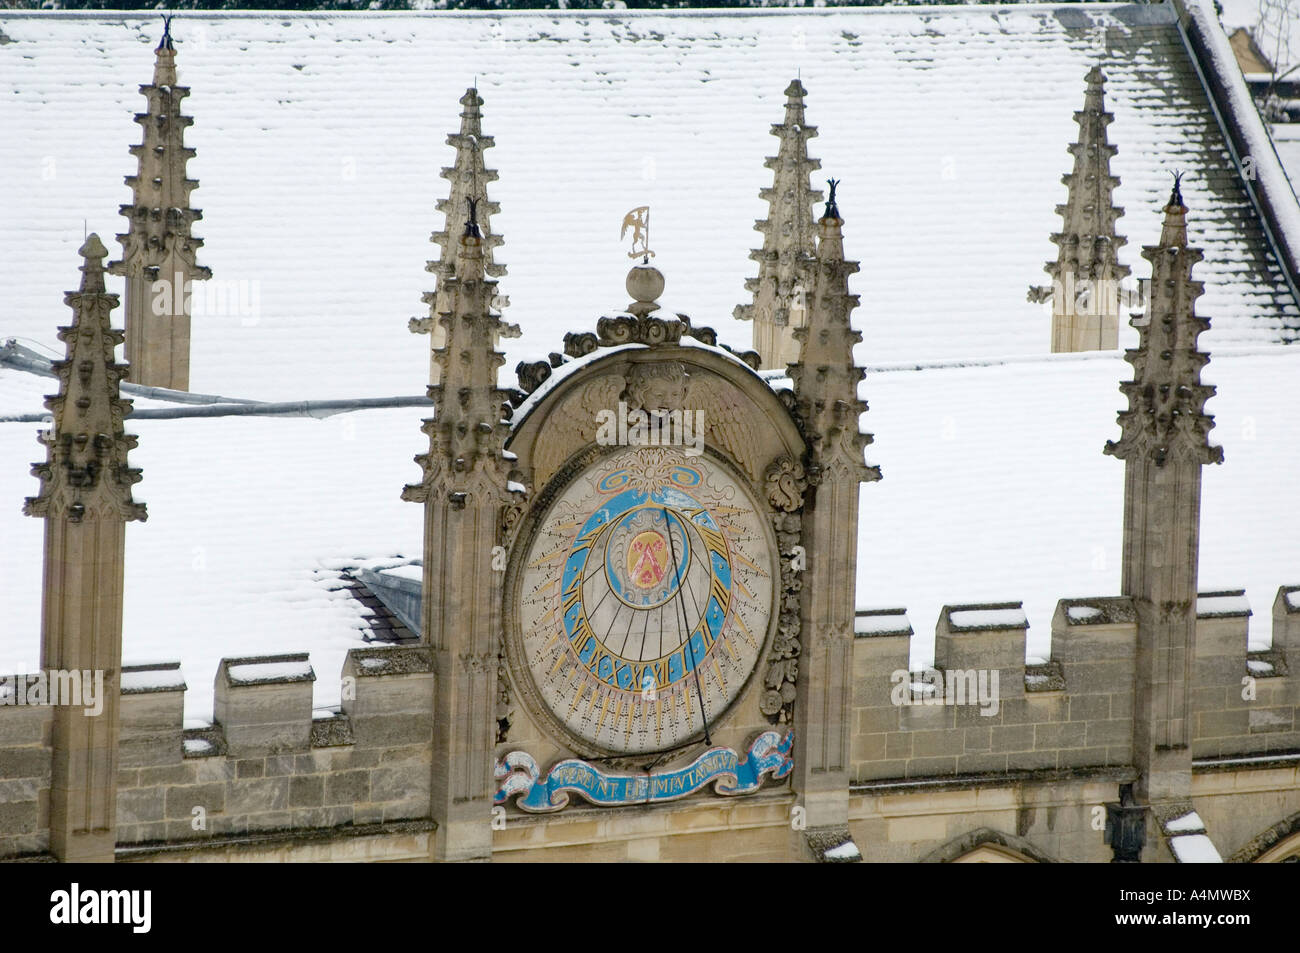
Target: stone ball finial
645, 283
93, 247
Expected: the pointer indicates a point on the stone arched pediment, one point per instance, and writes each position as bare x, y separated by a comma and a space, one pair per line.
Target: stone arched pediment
1276, 845
752, 441
987, 846
743, 418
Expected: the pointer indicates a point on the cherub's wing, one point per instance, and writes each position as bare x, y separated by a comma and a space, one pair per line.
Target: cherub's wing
574, 424
728, 423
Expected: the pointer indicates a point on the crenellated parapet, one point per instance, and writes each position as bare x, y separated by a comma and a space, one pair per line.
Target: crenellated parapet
153, 708
159, 248
269, 762
983, 710
264, 703
1286, 624
1250, 709
780, 290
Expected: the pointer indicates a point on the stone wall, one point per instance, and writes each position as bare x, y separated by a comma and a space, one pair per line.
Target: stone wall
1041, 820
25, 761
270, 779
267, 764
698, 829
1073, 711
1245, 701
1242, 804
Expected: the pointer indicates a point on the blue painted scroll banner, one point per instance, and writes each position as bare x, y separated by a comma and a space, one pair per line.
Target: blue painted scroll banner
730, 774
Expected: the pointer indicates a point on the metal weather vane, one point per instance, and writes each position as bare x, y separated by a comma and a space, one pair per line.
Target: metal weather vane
832, 209
471, 223
639, 221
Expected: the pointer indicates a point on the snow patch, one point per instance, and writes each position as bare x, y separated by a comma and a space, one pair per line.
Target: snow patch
1222, 606
846, 851
1083, 613
269, 671
1271, 180
153, 680
883, 624
405, 572
1195, 849
988, 618
1188, 823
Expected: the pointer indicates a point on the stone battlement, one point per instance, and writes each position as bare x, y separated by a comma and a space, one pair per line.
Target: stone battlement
269, 762
983, 709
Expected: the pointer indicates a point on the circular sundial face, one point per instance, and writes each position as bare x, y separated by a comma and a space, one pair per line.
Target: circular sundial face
644, 599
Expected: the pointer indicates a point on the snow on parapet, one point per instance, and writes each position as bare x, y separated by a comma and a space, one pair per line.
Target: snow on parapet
269, 672
1215, 605
1073, 710
879, 622
984, 618
1102, 610
1290, 598
264, 706
152, 677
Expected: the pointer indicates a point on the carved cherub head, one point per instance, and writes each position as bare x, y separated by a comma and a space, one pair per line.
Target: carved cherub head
656, 387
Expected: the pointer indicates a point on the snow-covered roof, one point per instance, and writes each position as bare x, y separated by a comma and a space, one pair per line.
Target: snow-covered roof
995, 489
319, 140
